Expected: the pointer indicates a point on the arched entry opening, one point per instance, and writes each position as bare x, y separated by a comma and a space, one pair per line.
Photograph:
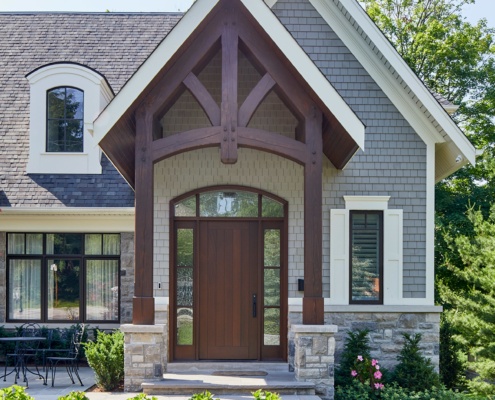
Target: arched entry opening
228, 275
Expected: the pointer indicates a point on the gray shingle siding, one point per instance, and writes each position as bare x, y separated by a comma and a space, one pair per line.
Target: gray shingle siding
394, 160
114, 45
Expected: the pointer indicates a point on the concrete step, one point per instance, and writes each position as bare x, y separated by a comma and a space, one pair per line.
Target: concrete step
245, 378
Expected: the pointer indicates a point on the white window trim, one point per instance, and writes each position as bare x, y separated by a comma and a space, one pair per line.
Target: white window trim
97, 94
392, 249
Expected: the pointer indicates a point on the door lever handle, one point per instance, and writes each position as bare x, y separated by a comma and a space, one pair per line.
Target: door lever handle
254, 305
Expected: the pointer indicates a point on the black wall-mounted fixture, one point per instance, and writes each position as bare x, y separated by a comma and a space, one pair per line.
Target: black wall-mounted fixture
300, 285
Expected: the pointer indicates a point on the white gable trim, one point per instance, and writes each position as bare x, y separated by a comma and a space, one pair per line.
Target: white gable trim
277, 32
382, 71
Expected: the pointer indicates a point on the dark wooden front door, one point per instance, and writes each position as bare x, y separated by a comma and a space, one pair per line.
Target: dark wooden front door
228, 290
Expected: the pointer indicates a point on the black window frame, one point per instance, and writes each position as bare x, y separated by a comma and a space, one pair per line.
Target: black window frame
47, 119
45, 268
380, 260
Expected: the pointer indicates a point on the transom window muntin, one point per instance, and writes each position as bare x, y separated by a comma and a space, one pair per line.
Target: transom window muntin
229, 204
366, 257
65, 120
63, 277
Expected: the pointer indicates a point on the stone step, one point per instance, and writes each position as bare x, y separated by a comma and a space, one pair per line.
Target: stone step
211, 366
244, 378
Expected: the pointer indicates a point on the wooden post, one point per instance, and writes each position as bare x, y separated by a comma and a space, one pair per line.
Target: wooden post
313, 312
143, 312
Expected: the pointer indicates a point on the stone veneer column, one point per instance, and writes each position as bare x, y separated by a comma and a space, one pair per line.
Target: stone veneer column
145, 354
314, 356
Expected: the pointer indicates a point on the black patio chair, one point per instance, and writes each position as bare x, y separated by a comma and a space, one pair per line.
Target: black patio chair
24, 352
71, 360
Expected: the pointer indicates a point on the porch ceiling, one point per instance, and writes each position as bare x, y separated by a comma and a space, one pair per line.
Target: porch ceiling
115, 128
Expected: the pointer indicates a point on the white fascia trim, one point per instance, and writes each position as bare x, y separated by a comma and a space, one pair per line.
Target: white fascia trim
380, 72
308, 70
366, 202
271, 3
295, 305
430, 225
83, 220
150, 68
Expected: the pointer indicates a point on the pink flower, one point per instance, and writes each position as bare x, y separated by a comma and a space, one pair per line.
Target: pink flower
378, 385
360, 358
354, 372
377, 375
374, 362
377, 367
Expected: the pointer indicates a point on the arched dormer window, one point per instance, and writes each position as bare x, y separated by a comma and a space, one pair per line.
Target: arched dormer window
65, 120
65, 99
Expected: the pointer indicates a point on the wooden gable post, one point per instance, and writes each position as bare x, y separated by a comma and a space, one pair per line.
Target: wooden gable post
143, 312
313, 312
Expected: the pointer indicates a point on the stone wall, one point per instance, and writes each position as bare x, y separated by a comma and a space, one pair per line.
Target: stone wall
386, 330
3, 276
126, 276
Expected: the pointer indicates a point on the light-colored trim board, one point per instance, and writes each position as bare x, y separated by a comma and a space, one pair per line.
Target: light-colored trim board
60, 220
295, 305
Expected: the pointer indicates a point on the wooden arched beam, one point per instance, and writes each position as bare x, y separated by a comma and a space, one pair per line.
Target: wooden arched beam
273, 143
254, 99
186, 141
204, 98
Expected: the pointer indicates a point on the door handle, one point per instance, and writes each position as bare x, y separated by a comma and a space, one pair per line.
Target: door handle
254, 305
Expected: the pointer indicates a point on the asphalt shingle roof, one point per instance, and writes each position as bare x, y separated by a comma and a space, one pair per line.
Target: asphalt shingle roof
114, 45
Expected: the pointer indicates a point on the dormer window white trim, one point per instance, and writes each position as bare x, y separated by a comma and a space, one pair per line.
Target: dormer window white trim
97, 94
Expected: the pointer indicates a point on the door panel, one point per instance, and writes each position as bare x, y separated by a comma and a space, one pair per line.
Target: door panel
228, 279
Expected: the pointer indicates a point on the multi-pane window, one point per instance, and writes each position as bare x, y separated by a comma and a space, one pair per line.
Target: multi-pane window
65, 120
366, 257
63, 277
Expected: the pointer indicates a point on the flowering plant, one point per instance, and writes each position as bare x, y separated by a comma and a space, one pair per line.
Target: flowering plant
367, 372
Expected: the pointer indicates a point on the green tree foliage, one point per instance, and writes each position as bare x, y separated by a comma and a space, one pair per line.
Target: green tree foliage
472, 260
455, 59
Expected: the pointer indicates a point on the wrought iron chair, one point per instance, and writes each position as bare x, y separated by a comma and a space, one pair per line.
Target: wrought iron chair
71, 360
24, 352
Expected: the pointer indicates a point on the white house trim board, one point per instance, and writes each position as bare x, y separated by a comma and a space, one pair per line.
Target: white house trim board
277, 32
97, 94
74, 220
362, 39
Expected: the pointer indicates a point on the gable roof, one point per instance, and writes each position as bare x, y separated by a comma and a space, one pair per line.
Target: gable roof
262, 14
409, 94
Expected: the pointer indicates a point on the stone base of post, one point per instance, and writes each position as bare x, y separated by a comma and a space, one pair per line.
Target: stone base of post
145, 354
314, 356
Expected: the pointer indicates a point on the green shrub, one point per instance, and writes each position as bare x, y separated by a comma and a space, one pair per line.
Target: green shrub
356, 344
452, 368
14, 393
414, 372
265, 395
106, 357
206, 395
360, 391
142, 396
74, 396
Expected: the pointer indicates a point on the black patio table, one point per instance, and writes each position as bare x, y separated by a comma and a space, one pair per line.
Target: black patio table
21, 354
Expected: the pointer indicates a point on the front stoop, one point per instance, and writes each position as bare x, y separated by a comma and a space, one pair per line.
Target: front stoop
189, 378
